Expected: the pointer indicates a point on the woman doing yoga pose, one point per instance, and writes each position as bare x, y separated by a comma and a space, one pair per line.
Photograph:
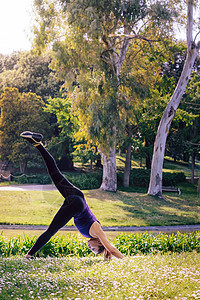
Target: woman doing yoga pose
74, 206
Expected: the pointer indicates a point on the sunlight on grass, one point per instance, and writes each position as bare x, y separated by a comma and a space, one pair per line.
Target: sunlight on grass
170, 165
112, 209
140, 277
120, 161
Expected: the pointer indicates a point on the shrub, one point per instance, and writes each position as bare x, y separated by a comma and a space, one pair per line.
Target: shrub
129, 244
37, 179
140, 177
81, 180
58, 246
133, 244
86, 181
173, 178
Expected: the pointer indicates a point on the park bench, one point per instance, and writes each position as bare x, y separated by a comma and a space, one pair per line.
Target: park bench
171, 189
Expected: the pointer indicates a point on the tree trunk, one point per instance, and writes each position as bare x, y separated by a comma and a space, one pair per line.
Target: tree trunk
127, 168
22, 166
155, 185
116, 61
186, 157
109, 182
148, 161
98, 162
198, 187
193, 166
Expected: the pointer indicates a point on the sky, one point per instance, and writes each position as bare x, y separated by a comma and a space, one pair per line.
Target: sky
15, 25
16, 19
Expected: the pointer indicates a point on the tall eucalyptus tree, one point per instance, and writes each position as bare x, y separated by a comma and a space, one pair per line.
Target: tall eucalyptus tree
90, 40
155, 185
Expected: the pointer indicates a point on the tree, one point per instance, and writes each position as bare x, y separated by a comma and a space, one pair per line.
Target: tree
191, 103
8, 62
136, 82
29, 73
155, 185
20, 112
178, 142
148, 115
172, 68
62, 144
93, 39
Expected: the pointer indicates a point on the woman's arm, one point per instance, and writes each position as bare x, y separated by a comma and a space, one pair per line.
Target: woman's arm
97, 232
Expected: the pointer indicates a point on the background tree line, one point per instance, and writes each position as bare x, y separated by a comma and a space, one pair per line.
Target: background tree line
101, 85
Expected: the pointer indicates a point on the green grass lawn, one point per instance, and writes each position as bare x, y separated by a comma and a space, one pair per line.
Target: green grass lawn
139, 277
166, 276
124, 208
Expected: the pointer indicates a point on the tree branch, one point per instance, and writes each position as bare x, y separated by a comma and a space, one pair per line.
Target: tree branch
123, 51
133, 36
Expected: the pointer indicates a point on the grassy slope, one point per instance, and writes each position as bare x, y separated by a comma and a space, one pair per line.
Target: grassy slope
131, 207
112, 209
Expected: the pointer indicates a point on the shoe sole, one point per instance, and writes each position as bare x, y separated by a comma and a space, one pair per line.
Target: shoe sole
30, 136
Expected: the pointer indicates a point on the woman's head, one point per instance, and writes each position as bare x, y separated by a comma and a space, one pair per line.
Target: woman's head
95, 245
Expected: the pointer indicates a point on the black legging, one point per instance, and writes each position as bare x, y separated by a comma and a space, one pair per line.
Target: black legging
72, 205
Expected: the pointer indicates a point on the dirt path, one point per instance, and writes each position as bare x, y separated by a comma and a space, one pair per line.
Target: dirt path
153, 229
28, 187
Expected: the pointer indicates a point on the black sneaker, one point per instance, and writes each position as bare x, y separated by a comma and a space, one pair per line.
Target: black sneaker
34, 138
29, 258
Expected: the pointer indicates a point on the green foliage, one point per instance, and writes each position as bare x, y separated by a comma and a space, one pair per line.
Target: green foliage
191, 104
84, 155
145, 243
148, 115
128, 244
62, 246
86, 181
172, 68
29, 73
99, 15
98, 110
61, 108
32, 178
57, 246
172, 179
82, 181
95, 58
140, 177
62, 146
20, 112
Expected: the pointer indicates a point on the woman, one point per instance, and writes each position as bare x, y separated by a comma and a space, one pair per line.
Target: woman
74, 206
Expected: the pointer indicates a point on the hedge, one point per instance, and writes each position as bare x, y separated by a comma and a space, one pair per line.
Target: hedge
86, 181
140, 177
129, 244
81, 180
